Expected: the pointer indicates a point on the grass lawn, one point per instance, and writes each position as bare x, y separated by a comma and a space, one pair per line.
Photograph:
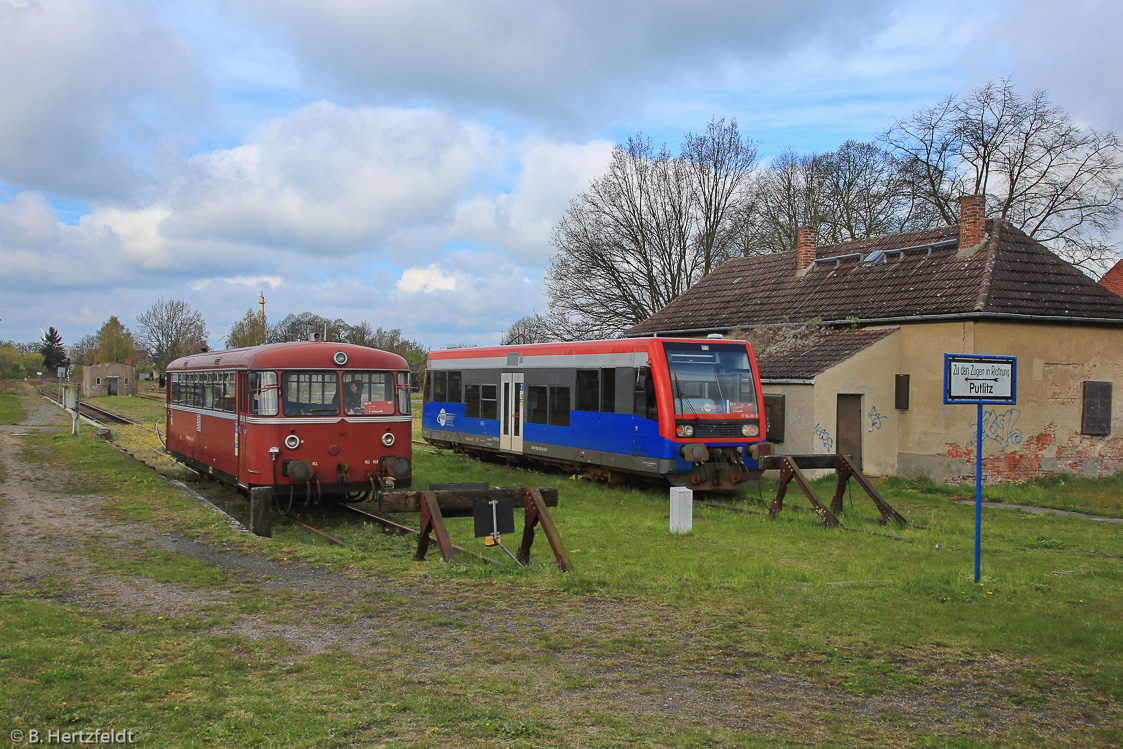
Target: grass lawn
850, 631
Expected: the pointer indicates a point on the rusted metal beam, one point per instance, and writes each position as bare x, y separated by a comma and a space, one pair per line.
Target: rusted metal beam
310, 529
536, 512
400, 529
790, 471
433, 521
458, 499
846, 471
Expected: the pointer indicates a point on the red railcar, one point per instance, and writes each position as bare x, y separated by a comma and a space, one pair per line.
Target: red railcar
332, 417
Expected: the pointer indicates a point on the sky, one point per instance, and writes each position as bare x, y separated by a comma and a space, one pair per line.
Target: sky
404, 163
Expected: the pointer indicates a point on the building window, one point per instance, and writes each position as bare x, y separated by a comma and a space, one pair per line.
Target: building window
901, 392
1096, 418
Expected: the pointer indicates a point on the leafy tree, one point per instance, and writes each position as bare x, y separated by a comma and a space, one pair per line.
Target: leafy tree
54, 354
251, 330
115, 343
1058, 182
171, 329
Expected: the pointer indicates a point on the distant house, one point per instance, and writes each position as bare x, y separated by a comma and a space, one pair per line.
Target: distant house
108, 379
1113, 279
891, 307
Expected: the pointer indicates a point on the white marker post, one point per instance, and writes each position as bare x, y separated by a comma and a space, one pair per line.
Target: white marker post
682, 509
980, 380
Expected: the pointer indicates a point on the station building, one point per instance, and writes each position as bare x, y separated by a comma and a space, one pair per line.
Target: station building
870, 323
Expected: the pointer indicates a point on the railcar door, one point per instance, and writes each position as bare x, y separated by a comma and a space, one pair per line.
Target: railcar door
240, 430
511, 423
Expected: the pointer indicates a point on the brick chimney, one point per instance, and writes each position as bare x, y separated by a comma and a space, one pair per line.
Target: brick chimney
972, 221
805, 249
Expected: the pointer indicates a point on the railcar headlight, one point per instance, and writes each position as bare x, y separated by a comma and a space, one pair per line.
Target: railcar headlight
292, 442
388, 439
750, 430
684, 430
340, 358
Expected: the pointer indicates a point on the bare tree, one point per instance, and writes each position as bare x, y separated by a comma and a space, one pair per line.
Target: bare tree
1059, 183
171, 329
306, 326
790, 192
646, 230
721, 165
84, 351
866, 193
532, 328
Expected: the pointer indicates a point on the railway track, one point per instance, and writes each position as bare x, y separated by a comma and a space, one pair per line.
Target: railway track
99, 415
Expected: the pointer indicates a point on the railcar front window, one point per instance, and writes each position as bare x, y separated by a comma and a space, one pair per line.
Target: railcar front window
711, 378
310, 393
263, 393
368, 393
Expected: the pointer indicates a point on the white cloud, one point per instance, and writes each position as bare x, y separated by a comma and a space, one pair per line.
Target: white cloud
330, 179
425, 280
97, 83
561, 59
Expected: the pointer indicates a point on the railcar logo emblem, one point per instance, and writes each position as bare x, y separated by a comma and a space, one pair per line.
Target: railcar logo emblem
444, 418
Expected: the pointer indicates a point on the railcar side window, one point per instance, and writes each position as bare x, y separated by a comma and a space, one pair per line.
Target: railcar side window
559, 406
608, 391
405, 405
263, 393
369, 393
447, 387
537, 402
547, 405
228, 391
309, 393
489, 402
588, 390
472, 401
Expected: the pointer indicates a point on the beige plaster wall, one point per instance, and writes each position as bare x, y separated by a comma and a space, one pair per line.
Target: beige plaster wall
1038, 436
811, 411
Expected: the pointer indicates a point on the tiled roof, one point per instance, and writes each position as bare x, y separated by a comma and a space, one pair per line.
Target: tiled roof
1113, 279
917, 275
806, 362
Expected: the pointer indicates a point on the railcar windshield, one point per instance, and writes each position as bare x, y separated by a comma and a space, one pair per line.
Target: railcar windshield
711, 378
319, 393
310, 393
368, 393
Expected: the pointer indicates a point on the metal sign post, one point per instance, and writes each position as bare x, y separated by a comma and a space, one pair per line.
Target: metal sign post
981, 380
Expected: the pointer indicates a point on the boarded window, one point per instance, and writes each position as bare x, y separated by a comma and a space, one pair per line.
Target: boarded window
774, 417
1097, 408
901, 392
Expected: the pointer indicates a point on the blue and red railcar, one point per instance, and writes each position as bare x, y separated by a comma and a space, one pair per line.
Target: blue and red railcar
333, 417
686, 410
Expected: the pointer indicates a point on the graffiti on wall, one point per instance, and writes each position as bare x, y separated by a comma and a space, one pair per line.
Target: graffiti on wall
1001, 428
825, 437
875, 418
